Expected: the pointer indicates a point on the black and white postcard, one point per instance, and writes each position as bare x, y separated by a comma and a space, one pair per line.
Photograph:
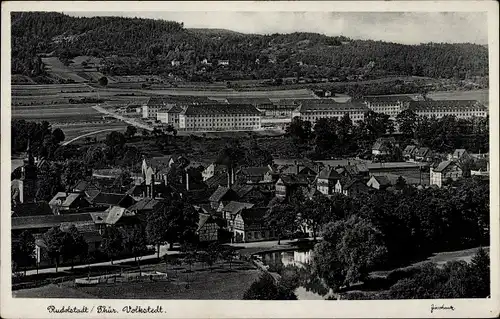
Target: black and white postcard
200, 159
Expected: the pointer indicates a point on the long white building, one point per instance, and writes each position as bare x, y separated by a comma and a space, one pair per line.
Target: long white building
220, 117
170, 115
462, 109
312, 111
391, 105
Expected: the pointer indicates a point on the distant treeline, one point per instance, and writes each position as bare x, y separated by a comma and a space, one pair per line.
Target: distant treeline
131, 46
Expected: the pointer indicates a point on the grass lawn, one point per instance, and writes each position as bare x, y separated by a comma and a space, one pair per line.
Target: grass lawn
223, 282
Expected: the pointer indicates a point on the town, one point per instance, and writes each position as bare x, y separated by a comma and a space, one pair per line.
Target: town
198, 183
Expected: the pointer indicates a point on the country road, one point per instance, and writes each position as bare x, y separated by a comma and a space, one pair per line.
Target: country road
122, 118
88, 134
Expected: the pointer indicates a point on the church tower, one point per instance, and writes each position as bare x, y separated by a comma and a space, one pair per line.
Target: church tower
24, 188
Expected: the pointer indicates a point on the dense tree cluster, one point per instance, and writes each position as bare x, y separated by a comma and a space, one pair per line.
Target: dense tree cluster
394, 228
330, 137
43, 140
143, 46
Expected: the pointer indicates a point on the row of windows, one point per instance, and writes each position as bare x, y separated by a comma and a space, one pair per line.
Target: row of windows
261, 234
221, 120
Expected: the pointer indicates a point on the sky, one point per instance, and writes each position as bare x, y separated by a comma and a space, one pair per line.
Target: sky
401, 27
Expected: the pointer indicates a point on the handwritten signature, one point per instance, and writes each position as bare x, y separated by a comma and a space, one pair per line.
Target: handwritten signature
441, 307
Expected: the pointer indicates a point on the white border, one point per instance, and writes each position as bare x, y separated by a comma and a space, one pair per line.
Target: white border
35, 308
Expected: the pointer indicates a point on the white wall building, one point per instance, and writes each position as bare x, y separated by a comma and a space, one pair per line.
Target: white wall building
220, 117
312, 111
391, 105
462, 109
170, 115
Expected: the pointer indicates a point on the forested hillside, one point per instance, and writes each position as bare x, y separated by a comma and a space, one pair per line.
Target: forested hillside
144, 46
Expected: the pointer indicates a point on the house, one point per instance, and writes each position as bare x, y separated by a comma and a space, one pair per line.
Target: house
217, 180
459, 154
106, 200
231, 209
222, 195
223, 62
254, 174
175, 62
86, 187
326, 180
120, 216
444, 171
355, 187
64, 202
340, 184
409, 151
144, 207
381, 182
250, 225
423, 154
257, 194
287, 184
383, 146
42, 223
212, 170
301, 168
209, 228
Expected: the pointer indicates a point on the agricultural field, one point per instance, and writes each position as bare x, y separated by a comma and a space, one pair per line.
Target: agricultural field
480, 95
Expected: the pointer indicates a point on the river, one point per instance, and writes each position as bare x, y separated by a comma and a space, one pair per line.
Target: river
300, 259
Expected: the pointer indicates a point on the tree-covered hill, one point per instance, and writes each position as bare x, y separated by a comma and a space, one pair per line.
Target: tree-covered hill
145, 46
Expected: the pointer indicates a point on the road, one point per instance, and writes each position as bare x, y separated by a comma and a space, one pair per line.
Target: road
163, 251
127, 120
88, 134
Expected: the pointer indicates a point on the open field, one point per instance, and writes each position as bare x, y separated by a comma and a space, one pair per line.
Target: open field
222, 282
73, 130
480, 95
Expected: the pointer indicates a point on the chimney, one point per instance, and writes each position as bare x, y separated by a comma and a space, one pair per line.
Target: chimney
187, 181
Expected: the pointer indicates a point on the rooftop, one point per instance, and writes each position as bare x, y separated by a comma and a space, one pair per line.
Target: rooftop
387, 98
221, 109
48, 221
234, 207
332, 106
446, 105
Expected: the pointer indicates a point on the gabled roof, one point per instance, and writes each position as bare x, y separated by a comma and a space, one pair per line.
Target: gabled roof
294, 180
48, 221
234, 207
459, 152
99, 217
387, 98
228, 109
383, 180
256, 171
221, 193
254, 215
409, 149
328, 173
217, 180
64, 199
144, 204
115, 213
357, 182
108, 199
443, 166
242, 189
422, 151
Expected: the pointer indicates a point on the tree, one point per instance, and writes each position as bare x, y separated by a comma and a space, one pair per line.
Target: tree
349, 251
58, 135
81, 247
72, 172
173, 221
228, 254
135, 242
131, 131
103, 81
54, 241
23, 250
266, 288
49, 177
313, 212
112, 242
213, 253
115, 139
282, 218
145, 133
407, 121
480, 275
